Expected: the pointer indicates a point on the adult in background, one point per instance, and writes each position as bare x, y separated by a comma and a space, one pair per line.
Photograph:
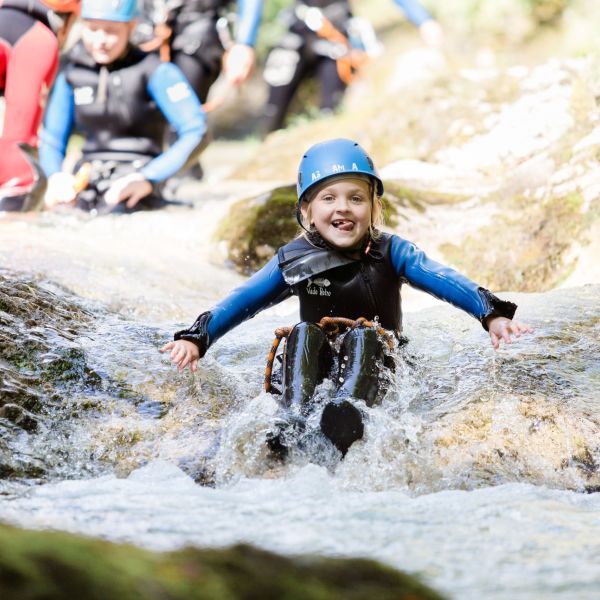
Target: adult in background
195, 35
200, 44
320, 42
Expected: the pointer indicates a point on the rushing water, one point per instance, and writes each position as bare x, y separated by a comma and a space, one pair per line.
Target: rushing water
479, 470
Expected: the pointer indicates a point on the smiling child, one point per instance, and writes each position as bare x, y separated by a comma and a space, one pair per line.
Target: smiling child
342, 266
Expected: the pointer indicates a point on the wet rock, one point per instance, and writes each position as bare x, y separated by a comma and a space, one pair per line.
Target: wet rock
19, 416
38, 564
434, 182
50, 396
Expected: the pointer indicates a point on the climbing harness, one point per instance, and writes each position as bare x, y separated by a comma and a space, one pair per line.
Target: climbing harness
332, 327
348, 59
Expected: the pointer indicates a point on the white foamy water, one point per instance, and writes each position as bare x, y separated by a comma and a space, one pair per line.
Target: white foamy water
509, 541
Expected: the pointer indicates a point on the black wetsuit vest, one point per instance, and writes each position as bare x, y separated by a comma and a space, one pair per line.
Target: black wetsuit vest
113, 106
367, 287
204, 6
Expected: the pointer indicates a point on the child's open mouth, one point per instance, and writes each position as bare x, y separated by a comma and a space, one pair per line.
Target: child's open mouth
343, 224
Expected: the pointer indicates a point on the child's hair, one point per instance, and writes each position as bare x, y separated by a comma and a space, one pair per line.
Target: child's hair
377, 217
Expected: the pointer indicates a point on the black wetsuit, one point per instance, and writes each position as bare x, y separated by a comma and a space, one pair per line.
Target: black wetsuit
334, 283
196, 47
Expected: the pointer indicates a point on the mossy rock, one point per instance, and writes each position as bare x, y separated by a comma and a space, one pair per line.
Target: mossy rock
42, 564
529, 252
255, 228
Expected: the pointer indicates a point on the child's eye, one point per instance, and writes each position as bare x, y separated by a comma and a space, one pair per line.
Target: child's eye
357, 199
328, 198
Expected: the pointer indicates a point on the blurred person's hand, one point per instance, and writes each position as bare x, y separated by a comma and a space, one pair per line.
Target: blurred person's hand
432, 33
60, 189
238, 63
130, 189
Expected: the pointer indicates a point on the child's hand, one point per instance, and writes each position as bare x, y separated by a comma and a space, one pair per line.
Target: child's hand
183, 353
501, 328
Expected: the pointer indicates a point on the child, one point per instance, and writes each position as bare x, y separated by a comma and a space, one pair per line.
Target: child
115, 94
343, 266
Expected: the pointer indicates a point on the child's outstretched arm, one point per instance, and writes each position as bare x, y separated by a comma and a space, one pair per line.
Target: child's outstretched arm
501, 328
495, 315
265, 288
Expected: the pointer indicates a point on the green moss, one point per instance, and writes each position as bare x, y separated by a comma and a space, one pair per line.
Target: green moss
36, 565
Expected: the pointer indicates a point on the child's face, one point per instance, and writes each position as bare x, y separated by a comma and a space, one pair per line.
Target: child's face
341, 211
105, 40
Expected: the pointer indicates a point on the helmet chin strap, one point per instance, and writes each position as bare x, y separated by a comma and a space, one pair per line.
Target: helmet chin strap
299, 218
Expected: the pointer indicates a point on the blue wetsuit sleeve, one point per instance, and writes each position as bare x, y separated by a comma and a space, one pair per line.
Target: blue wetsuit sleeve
58, 122
175, 98
414, 11
265, 288
413, 265
249, 15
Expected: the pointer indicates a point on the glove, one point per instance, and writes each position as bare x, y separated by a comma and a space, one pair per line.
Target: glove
197, 333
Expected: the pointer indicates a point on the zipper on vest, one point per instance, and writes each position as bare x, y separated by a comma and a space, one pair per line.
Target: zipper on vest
102, 93
367, 281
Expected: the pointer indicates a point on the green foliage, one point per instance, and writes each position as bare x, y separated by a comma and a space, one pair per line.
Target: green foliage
271, 28
547, 12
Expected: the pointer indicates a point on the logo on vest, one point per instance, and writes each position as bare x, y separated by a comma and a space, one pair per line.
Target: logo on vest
317, 287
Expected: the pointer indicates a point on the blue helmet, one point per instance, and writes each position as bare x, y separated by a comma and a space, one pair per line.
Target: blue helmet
334, 158
109, 10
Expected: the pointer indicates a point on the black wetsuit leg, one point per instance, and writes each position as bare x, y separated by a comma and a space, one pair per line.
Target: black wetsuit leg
332, 87
307, 360
288, 63
361, 357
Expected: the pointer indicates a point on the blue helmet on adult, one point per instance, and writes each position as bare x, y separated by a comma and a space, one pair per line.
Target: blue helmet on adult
110, 10
334, 158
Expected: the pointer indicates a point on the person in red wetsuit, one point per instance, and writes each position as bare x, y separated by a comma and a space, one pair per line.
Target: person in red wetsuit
30, 34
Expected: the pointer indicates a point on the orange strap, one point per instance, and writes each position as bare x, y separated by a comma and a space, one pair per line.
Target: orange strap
352, 60
82, 177
160, 41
